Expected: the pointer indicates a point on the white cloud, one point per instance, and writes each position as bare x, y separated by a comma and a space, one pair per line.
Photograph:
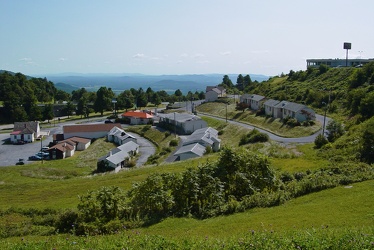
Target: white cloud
184, 55
26, 59
225, 53
203, 62
260, 52
62, 59
198, 55
139, 56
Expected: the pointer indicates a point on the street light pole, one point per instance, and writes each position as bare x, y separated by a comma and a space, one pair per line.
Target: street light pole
41, 148
324, 119
226, 112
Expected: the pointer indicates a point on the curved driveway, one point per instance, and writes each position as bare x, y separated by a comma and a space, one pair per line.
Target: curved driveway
146, 149
306, 139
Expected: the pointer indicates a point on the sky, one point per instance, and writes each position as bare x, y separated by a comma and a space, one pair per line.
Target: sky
159, 37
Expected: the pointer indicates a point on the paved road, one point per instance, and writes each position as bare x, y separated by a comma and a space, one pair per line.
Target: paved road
146, 149
306, 139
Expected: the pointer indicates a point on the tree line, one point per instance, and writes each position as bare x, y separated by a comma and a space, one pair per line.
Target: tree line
31, 99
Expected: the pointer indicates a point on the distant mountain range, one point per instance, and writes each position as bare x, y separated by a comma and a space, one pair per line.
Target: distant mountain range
121, 82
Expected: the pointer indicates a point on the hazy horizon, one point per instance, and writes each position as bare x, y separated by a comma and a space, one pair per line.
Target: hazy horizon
168, 37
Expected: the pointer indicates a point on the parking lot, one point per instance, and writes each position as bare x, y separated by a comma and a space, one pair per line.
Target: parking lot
10, 154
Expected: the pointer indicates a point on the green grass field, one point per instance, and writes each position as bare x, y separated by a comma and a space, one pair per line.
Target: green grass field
339, 218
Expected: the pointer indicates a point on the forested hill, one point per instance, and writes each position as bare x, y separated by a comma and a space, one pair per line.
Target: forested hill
20, 94
348, 92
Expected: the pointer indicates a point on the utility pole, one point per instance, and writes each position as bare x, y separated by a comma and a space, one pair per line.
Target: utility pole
226, 112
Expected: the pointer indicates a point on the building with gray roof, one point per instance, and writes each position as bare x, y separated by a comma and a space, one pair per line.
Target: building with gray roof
182, 123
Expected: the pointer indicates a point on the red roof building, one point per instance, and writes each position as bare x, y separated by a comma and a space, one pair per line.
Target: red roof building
138, 117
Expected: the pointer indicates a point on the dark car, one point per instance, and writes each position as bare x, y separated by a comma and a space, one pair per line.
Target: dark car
35, 158
108, 121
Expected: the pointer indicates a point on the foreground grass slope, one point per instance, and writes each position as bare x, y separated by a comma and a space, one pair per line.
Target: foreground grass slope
339, 218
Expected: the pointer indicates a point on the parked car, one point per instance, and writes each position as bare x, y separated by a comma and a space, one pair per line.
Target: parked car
45, 149
42, 154
35, 158
108, 121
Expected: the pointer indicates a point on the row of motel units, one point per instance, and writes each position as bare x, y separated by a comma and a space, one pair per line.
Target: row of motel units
279, 109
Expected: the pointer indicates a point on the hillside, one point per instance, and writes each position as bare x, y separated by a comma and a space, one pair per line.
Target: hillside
347, 92
65, 87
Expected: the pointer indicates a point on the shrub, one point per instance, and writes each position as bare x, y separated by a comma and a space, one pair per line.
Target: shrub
292, 122
260, 137
208, 150
320, 141
174, 143
253, 137
167, 134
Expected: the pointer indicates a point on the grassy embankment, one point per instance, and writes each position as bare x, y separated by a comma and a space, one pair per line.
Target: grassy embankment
304, 222
270, 124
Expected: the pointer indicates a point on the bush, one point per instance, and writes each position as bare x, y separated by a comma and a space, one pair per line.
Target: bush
320, 141
292, 122
174, 143
208, 150
253, 137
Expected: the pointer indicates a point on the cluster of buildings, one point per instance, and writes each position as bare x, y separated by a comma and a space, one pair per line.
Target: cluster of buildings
119, 157
279, 109
195, 145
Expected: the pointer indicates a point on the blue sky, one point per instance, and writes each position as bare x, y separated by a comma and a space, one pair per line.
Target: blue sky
180, 37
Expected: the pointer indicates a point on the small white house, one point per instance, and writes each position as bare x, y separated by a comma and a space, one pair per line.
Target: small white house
212, 95
183, 123
25, 132
190, 151
205, 137
62, 150
278, 109
117, 158
298, 111
119, 136
245, 98
256, 101
269, 107
81, 143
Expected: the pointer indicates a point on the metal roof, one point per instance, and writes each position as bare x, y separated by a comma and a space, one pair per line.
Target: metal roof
271, 103
196, 149
294, 106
